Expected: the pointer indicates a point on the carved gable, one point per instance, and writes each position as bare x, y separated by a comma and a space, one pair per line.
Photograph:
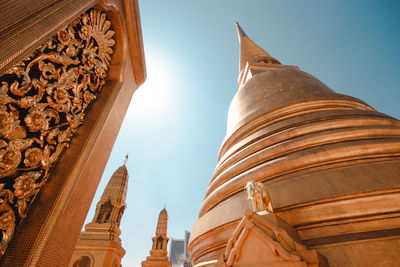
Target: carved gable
266, 240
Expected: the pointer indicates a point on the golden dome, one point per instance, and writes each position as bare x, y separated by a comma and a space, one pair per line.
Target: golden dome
273, 89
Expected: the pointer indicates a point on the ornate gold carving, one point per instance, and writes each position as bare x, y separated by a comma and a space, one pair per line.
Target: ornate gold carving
7, 217
43, 100
259, 198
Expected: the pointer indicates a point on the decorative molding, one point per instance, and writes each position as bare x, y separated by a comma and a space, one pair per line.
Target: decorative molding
135, 40
43, 100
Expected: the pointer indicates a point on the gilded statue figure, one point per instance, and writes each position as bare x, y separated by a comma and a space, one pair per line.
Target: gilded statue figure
259, 198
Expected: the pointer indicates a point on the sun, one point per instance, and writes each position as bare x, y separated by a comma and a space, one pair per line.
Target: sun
157, 95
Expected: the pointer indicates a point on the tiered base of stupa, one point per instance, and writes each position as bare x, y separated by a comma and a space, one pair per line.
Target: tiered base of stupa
330, 163
157, 258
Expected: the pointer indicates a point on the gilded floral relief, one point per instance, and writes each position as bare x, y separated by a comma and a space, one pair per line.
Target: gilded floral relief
43, 100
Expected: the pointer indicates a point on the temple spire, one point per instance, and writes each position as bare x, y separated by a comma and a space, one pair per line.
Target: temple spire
112, 202
162, 223
101, 237
251, 52
158, 253
241, 33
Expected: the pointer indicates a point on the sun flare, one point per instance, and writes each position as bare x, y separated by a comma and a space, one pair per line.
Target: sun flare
155, 96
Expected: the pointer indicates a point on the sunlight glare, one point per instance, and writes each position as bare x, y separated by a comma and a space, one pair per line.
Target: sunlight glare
156, 96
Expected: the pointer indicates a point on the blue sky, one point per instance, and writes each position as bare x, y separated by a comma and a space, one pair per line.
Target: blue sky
177, 120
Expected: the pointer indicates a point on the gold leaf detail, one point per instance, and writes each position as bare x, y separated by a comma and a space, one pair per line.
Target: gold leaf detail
43, 99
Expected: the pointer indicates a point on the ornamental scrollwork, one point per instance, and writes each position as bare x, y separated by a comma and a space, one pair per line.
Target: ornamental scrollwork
43, 100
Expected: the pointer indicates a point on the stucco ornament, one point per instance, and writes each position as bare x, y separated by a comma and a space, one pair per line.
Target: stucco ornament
43, 99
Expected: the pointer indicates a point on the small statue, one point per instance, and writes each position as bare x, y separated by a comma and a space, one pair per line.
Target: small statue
259, 198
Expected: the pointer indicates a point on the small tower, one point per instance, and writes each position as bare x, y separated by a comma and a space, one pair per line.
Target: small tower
158, 253
100, 245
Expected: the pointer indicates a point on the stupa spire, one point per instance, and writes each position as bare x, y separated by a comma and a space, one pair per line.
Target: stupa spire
241, 33
158, 253
250, 51
162, 223
126, 159
117, 187
102, 236
111, 205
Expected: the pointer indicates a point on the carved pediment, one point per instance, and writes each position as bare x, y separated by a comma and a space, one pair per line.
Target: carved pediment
266, 240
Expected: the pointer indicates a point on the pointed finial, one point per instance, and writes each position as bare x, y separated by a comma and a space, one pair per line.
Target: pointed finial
240, 31
251, 52
165, 205
126, 159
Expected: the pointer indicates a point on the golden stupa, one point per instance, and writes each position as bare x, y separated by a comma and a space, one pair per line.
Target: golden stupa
305, 176
158, 253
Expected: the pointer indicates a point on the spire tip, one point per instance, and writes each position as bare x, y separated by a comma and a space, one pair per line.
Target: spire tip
241, 33
126, 159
